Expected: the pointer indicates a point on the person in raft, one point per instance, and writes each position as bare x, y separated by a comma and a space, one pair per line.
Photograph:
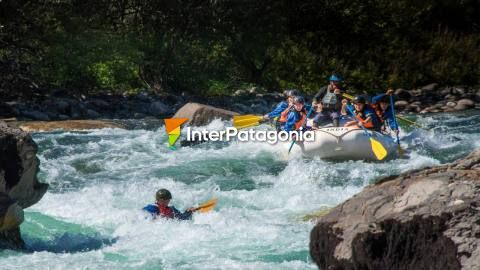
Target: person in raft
328, 102
280, 112
365, 114
381, 105
296, 115
161, 208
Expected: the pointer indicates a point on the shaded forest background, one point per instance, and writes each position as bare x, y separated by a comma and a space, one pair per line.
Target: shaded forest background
215, 47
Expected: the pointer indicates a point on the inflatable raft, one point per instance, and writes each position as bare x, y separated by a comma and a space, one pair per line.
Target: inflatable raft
344, 143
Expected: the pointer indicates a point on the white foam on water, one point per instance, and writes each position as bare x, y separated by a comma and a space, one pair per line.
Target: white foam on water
109, 175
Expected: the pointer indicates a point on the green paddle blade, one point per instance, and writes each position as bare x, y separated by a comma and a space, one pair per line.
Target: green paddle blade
378, 149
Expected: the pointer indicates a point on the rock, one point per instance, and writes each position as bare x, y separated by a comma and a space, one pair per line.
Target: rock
6, 111
451, 104
35, 115
459, 91
159, 109
416, 92
200, 114
445, 91
238, 107
430, 87
413, 108
99, 103
91, 114
67, 125
450, 97
423, 219
240, 92
401, 104
477, 96
467, 102
19, 186
402, 94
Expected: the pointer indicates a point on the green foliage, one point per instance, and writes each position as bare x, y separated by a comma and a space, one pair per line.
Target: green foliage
216, 47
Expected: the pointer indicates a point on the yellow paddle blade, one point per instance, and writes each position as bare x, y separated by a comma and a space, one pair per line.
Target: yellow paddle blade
207, 206
246, 122
378, 149
345, 95
247, 116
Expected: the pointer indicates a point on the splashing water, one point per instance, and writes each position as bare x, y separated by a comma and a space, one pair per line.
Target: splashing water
99, 181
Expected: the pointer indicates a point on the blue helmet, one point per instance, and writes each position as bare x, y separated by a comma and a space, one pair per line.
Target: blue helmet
335, 78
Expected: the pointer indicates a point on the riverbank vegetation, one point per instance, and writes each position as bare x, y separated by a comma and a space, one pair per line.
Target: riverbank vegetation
216, 47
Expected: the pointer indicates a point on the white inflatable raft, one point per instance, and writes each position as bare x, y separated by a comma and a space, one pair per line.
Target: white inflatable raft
345, 143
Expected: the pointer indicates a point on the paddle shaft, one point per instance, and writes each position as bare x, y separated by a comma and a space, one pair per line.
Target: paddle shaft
303, 123
358, 121
394, 118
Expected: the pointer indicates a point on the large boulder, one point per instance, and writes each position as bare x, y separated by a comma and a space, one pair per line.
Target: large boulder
19, 186
424, 219
200, 114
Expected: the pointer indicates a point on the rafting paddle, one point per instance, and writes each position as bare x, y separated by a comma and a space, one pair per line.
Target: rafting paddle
244, 121
207, 206
399, 148
303, 124
377, 148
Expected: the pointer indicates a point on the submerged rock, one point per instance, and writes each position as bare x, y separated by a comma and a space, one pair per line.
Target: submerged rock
200, 114
19, 186
424, 219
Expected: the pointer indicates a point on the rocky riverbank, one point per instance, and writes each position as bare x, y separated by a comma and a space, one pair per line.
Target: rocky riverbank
424, 219
428, 99
19, 186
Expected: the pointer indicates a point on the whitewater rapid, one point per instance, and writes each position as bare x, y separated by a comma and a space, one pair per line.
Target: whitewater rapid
99, 180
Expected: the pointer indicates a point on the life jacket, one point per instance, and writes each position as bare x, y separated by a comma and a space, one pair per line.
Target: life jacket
303, 114
165, 211
284, 114
378, 111
330, 99
362, 117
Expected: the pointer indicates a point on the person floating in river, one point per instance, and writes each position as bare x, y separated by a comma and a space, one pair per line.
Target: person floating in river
161, 208
296, 115
279, 114
383, 109
328, 102
365, 114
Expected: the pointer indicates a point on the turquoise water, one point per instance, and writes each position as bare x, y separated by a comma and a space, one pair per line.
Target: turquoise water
90, 218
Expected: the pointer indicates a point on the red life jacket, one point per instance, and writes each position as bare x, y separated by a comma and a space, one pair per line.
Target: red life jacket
165, 211
299, 123
284, 114
362, 118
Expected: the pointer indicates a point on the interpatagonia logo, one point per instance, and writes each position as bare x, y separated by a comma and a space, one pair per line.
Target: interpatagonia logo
172, 126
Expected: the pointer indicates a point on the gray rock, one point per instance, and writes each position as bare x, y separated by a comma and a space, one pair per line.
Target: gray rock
402, 94
430, 87
477, 96
63, 117
401, 104
240, 92
466, 102
91, 114
459, 91
445, 91
157, 108
99, 103
61, 106
200, 114
451, 104
416, 92
35, 115
238, 107
19, 186
425, 219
